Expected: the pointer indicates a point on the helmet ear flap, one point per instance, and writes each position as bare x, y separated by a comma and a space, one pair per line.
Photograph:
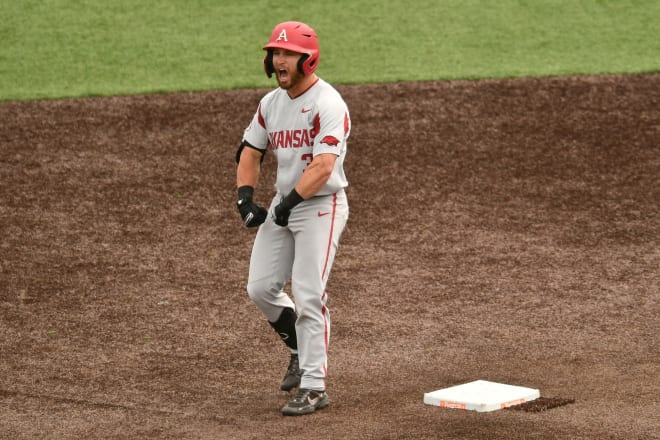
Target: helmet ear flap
268, 63
301, 63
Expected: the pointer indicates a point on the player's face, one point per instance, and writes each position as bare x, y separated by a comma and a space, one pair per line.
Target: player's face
285, 63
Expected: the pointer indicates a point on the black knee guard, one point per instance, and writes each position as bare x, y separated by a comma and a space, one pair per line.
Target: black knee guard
285, 326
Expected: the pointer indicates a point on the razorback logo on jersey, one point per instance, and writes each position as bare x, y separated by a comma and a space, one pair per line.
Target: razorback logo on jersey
330, 140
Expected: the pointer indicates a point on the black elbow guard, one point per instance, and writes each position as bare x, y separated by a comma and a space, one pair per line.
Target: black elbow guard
244, 144
239, 151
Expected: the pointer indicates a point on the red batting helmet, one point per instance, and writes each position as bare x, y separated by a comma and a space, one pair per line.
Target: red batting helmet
296, 37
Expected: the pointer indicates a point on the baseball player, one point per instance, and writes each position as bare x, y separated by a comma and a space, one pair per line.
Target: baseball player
305, 123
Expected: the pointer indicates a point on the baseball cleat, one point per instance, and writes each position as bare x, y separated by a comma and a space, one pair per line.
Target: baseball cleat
292, 377
306, 402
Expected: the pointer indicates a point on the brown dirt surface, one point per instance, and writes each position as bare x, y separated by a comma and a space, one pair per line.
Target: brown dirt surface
504, 230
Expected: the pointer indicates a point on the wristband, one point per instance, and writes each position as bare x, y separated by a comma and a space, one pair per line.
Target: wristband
245, 193
292, 199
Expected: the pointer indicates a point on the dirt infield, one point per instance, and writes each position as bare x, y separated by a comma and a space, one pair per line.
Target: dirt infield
505, 230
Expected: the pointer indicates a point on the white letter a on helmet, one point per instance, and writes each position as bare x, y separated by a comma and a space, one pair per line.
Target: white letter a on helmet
282, 36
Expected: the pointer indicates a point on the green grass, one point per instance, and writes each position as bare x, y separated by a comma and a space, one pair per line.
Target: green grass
58, 48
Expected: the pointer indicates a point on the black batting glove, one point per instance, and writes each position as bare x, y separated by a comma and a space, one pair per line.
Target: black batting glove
282, 211
252, 214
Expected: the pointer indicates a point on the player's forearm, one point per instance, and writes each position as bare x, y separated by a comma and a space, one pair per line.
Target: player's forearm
248, 169
315, 176
247, 177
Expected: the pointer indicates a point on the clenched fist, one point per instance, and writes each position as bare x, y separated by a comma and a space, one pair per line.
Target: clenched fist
252, 214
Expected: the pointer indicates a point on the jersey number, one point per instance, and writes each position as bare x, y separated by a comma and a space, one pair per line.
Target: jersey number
307, 158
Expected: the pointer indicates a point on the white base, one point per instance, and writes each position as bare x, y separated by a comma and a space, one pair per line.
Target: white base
481, 396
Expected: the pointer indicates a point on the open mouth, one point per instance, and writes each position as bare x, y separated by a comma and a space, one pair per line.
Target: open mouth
282, 74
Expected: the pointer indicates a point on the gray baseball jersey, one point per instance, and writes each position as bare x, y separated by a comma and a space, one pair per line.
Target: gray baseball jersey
298, 129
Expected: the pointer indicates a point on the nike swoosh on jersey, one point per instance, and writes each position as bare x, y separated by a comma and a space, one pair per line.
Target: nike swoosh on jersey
321, 214
305, 110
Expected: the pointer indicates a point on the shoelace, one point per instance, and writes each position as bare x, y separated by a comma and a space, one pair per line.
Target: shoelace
301, 395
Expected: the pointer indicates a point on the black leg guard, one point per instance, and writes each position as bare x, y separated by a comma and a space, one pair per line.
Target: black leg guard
285, 326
